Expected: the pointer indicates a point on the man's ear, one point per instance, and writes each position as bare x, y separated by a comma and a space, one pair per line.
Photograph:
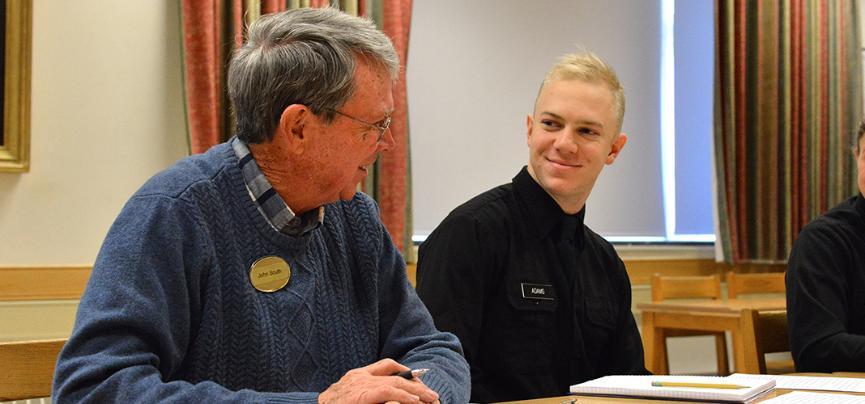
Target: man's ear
292, 126
529, 122
616, 148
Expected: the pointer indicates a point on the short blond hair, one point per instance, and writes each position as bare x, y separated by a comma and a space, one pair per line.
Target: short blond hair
589, 67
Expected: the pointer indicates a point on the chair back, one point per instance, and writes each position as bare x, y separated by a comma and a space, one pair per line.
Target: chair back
740, 284
28, 368
763, 332
685, 287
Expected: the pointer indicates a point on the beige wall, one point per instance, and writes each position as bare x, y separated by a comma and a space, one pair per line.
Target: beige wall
107, 113
861, 13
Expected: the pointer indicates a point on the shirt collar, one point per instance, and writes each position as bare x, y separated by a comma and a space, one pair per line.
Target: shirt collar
269, 203
541, 209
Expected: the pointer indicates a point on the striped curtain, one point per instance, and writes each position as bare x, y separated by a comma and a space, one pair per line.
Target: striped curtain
212, 29
788, 96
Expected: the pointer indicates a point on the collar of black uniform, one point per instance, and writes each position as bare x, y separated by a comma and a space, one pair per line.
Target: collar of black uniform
541, 209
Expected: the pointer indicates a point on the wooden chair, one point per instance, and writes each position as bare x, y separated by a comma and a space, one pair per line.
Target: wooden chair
740, 284
765, 332
690, 287
411, 273
28, 368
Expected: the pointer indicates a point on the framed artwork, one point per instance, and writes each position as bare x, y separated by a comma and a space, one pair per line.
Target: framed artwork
16, 20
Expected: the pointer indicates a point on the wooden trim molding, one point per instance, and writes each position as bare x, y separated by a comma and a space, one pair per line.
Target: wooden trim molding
640, 270
43, 283
68, 282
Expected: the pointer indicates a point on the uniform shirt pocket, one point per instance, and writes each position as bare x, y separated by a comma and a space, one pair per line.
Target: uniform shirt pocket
601, 316
529, 332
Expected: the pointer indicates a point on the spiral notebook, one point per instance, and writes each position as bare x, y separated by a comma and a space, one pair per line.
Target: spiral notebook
697, 388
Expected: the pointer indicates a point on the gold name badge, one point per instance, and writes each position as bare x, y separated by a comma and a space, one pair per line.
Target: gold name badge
269, 274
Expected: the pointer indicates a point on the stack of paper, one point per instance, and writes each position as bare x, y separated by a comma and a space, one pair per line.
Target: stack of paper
850, 384
801, 397
699, 388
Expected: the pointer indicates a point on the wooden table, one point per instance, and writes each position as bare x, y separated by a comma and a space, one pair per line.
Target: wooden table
603, 400
606, 400
701, 315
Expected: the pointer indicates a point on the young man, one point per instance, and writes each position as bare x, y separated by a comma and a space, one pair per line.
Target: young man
826, 285
255, 272
538, 300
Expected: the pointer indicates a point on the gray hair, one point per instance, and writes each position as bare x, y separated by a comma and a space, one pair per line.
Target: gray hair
302, 56
589, 67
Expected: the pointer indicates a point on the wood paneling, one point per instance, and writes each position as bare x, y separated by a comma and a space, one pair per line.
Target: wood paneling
59, 282
640, 271
43, 283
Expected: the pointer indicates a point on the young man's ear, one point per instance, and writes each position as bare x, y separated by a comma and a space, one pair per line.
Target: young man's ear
529, 122
616, 148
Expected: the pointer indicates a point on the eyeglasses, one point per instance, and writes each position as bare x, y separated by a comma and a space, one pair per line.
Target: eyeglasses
381, 125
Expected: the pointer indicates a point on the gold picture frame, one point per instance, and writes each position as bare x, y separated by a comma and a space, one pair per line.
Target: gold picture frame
15, 139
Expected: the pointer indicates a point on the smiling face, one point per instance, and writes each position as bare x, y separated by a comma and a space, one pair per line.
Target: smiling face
342, 152
572, 134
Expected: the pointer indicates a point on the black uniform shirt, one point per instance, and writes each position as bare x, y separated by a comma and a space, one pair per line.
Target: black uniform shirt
491, 274
826, 291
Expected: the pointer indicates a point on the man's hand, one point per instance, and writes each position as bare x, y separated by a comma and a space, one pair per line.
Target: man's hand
375, 383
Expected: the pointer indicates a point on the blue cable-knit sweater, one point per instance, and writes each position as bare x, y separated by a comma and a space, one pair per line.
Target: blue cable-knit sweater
169, 313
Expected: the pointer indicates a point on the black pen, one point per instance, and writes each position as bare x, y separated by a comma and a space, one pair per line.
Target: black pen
411, 374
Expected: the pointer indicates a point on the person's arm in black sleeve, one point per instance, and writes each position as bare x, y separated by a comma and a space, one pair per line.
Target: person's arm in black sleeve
626, 343
817, 305
451, 283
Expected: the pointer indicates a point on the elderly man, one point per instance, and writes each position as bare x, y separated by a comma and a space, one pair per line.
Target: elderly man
538, 300
826, 285
255, 272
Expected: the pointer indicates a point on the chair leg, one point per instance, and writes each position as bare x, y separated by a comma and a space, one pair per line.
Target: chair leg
721, 353
664, 356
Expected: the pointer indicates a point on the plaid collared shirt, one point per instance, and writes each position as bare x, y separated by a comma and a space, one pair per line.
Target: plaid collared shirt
269, 203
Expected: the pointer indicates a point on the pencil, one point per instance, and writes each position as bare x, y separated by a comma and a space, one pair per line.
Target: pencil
411, 374
699, 385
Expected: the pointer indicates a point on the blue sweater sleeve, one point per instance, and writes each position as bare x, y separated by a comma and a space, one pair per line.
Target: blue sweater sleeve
135, 319
408, 334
